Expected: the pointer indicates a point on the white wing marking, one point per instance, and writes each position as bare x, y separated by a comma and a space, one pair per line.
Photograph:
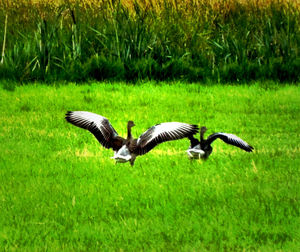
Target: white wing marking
171, 130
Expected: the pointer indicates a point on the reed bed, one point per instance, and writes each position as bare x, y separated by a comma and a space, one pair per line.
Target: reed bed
223, 41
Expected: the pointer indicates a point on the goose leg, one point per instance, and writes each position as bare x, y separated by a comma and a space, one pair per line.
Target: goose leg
189, 153
132, 160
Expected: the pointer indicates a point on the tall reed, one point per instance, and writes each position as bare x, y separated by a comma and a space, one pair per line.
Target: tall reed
225, 41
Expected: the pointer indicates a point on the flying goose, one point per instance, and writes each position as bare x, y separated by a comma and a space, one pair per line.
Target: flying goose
202, 149
128, 149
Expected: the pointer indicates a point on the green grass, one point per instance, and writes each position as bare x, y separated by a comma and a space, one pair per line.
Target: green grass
59, 189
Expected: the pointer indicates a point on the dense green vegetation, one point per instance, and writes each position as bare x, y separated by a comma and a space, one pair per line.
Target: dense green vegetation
223, 41
59, 189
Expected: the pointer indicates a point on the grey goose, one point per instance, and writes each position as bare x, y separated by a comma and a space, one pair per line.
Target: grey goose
202, 149
127, 149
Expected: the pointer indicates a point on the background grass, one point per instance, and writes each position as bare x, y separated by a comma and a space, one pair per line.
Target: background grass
223, 41
59, 190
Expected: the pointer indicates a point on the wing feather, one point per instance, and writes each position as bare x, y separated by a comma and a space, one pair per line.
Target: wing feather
98, 125
162, 133
231, 139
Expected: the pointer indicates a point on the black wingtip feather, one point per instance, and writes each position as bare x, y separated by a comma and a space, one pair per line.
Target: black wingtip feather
195, 129
68, 114
247, 148
250, 148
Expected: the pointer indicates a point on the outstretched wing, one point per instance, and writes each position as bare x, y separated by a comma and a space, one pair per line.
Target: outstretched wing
163, 132
98, 125
230, 139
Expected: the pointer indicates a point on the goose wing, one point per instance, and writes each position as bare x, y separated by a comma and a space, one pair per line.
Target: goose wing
98, 125
163, 132
230, 139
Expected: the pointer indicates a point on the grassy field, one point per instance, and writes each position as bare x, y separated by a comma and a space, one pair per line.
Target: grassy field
59, 189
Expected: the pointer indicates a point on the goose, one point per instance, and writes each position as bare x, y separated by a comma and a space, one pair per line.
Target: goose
128, 149
202, 149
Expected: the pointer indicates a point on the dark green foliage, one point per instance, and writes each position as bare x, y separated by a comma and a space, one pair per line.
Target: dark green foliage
233, 42
99, 68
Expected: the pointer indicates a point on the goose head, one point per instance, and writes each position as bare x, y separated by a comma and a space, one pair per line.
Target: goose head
202, 132
130, 124
203, 129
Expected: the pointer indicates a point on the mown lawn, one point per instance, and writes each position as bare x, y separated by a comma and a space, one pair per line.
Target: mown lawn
59, 189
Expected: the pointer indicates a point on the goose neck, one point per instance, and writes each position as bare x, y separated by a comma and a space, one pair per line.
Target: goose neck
129, 136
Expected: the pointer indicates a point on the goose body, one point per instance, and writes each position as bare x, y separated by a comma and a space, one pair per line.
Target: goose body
202, 149
122, 155
127, 149
195, 152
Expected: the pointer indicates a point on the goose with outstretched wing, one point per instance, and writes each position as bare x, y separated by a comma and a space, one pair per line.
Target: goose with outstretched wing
127, 149
202, 149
